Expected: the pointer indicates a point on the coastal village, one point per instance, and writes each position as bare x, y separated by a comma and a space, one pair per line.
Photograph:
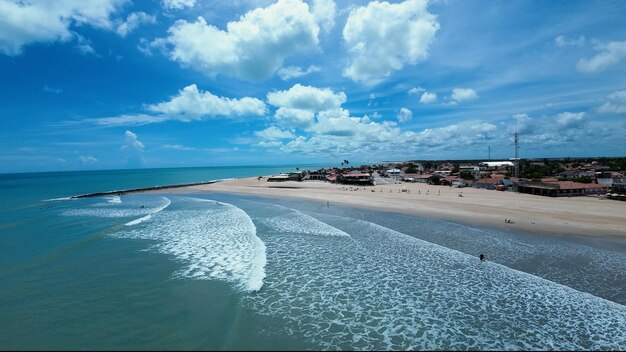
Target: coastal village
567, 177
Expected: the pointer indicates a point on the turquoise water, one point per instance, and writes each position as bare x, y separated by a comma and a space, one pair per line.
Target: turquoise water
220, 271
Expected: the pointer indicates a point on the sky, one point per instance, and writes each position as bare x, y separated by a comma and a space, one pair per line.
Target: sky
110, 84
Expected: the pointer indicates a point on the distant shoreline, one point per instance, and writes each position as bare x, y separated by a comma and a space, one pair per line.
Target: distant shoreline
579, 216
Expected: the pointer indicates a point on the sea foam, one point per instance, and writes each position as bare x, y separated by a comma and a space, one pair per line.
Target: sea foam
115, 207
388, 290
214, 241
295, 221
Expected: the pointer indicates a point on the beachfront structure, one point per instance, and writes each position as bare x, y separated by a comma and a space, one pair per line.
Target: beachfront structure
278, 178
356, 178
317, 175
550, 188
393, 172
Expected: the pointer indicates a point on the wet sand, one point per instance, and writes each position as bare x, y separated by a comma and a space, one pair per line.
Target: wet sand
588, 216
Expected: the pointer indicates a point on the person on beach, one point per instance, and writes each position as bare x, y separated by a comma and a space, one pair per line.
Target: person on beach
482, 257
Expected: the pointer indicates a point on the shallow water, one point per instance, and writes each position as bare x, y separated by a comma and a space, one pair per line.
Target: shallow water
219, 271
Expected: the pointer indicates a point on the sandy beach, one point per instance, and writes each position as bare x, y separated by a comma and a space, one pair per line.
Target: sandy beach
587, 216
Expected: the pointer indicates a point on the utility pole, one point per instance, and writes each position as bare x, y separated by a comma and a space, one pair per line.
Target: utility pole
489, 153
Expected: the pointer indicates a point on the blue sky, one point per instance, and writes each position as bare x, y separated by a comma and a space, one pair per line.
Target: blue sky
108, 84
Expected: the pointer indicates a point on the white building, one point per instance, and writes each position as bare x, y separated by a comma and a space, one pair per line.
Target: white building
497, 164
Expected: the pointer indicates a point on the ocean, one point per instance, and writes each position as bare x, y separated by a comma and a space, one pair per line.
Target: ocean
217, 271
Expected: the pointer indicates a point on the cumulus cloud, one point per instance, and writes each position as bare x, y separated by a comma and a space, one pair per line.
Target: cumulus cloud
524, 124
87, 159
189, 104
287, 73
178, 4
252, 48
297, 118
415, 90
297, 105
382, 38
324, 13
273, 133
616, 104
562, 41
40, 21
307, 98
567, 120
462, 94
192, 104
404, 115
428, 97
609, 54
132, 142
133, 21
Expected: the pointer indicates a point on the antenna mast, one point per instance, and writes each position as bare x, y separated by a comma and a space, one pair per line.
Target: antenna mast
516, 160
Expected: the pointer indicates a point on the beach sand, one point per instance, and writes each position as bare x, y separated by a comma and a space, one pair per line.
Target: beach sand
587, 216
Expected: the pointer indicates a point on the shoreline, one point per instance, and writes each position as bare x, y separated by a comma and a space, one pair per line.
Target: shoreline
578, 216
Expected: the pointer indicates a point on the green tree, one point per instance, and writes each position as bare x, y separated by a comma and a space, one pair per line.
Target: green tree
466, 175
434, 180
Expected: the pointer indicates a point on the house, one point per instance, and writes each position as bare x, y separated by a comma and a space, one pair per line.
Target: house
485, 183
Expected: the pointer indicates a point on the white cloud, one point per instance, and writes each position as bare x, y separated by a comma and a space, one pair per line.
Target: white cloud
177, 147
567, 120
88, 159
307, 98
132, 142
178, 4
297, 105
609, 54
616, 104
127, 120
42, 21
297, 118
83, 45
52, 90
524, 124
252, 48
192, 104
133, 21
382, 38
562, 41
415, 90
404, 115
270, 144
273, 133
287, 73
428, 97
324, 13
336, 122
463, 94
